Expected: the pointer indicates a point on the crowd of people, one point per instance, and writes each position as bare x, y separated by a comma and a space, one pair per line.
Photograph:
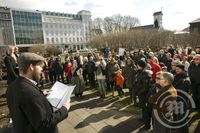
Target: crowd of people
145, 73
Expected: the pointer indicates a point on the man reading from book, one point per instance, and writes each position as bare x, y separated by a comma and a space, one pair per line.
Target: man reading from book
29, 109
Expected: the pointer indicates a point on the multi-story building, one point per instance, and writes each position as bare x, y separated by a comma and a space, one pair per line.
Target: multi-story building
28, 27
6, 31
70, 30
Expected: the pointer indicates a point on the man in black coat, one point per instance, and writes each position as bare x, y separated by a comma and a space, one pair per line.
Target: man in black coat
182, 83
194, 72
29, 109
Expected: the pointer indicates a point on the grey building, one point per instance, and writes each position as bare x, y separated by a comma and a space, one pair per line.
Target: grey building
6, 31
195, 26
29, 27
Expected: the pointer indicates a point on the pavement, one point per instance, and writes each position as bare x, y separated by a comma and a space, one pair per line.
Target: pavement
92, 114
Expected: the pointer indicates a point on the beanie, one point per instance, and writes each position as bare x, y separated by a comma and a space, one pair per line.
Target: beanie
181, 66
142, 63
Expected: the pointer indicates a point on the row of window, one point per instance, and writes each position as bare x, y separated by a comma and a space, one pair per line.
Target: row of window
77, 47
23, 13
64, 33
69, 25
5, 15
5, 24
27, 20
61, 14
72, 26
28, 40
64, 40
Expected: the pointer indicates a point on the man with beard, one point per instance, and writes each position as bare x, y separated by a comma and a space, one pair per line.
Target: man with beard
29, 109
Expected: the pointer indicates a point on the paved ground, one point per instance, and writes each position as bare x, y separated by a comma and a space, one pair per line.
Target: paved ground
92, 114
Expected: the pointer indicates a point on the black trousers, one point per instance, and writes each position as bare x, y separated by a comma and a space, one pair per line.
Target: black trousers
196, 95
91, 77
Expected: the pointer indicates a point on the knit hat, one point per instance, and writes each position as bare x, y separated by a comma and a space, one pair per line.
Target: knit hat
142, 63
181, 66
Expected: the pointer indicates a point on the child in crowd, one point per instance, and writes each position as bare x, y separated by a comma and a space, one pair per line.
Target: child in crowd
119, 81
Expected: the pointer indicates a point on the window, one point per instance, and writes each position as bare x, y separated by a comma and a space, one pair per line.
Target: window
61, 40
46, 25
47, 40
74, 47
78, 47
81, 46
52, 40
47, 33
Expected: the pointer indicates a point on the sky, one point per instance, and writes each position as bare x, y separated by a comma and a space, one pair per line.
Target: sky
177, 14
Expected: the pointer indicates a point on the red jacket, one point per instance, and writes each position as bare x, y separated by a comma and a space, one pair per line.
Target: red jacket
155, 68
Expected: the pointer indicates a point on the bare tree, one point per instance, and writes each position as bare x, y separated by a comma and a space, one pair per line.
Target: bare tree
115, 23
39, 49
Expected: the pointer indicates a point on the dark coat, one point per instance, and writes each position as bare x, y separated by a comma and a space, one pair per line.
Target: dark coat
111, 71
182, 82
30, 110
129, 74
142, 83
194, 72
11, 68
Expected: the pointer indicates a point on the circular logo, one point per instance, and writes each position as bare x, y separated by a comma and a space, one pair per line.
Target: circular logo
171, 111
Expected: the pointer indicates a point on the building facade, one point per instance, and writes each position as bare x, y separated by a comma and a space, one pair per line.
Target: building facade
69, 30
157, 23
27, 27
195, 26
6, 31
158, 20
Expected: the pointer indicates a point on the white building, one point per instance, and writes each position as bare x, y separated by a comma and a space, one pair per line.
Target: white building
69, 30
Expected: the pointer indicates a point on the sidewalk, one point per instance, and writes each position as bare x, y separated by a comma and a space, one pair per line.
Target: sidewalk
92, 114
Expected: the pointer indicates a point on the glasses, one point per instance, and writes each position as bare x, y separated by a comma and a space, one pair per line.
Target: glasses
196, 59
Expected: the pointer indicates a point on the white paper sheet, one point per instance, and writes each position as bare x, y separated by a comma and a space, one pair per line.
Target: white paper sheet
60, 94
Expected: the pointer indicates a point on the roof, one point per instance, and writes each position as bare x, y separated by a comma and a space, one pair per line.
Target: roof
144, 27
195, 21
158, 13
186, 29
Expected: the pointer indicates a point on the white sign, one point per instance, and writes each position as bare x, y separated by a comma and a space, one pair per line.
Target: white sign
121, 51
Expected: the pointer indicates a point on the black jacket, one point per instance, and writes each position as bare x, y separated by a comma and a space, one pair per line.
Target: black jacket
194, 72
142, 83
11, 68
182, 82
30, 110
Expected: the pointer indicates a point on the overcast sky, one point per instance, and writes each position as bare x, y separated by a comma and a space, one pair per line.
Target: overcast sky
176, 13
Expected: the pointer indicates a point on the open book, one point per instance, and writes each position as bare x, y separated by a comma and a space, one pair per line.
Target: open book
60, 94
